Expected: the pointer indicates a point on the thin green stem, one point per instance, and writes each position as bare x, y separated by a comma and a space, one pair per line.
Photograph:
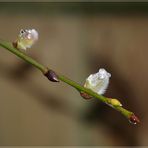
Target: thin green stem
23, 56
43, 69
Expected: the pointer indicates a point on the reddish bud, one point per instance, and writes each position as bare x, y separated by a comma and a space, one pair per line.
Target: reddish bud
85, 95
134, 119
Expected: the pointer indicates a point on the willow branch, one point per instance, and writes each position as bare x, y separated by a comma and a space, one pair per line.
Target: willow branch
53, 76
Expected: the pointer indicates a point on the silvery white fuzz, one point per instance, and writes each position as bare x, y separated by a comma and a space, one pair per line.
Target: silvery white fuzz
98, 82
26, 38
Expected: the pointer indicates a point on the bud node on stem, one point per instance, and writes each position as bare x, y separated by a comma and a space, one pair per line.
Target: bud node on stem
52, 76
85, 95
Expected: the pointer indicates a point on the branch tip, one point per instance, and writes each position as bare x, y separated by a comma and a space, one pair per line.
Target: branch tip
134, 119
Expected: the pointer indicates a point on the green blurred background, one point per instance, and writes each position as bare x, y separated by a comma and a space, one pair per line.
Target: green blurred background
75, 39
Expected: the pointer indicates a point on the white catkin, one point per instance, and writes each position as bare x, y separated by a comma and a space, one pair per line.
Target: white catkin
26, 38
98, 82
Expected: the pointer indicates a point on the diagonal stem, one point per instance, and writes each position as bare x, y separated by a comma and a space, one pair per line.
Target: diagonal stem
128, 114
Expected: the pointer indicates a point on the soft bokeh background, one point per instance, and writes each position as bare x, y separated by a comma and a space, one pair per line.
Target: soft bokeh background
75, 39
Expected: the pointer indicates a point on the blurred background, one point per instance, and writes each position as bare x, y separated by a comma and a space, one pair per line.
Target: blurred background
75, 39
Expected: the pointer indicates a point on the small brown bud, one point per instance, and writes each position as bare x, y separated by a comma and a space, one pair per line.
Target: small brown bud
14, 44
85, 95
134, 119
51, 75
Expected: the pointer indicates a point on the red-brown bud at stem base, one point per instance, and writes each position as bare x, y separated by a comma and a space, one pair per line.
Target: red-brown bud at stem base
85, 95
14, 44
134, 119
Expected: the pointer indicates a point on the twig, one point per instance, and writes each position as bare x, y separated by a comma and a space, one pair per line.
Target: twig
55, 77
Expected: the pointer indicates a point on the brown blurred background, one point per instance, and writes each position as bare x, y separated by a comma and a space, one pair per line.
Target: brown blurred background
75, 39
